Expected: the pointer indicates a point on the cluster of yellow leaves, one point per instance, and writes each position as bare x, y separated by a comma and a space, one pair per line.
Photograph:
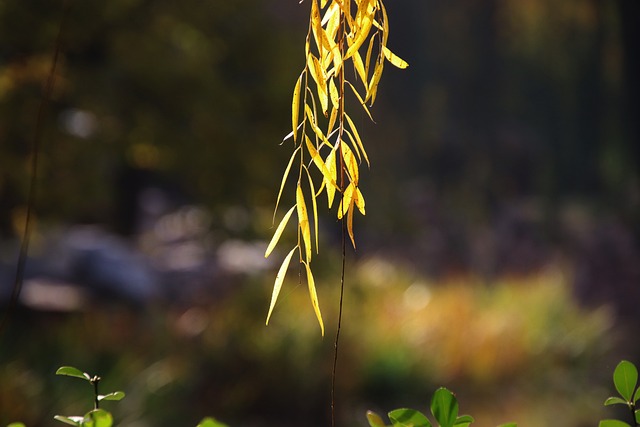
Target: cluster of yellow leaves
326, 137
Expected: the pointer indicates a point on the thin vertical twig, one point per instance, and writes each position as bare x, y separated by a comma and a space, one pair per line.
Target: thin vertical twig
33, 180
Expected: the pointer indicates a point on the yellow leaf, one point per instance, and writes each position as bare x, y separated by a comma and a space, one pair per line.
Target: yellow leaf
364, 21
359, 67
367, 61
316, 26
346, 201
364, 105
350, 224
333, 92
317, 159
303, 222
278, 232
393, 58
295, 106
279, 280
357, 137
332, 119
314, 203
375, 79
314, 296
330, 163
359, 200
350, 163
284, 180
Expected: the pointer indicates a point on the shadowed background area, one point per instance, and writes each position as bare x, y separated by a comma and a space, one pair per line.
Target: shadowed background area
499, 256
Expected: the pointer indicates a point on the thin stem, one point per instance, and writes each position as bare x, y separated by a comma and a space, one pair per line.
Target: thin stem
341, 82
96, 402
35, 154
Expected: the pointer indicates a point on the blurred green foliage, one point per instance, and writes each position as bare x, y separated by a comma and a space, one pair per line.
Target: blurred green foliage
524, 340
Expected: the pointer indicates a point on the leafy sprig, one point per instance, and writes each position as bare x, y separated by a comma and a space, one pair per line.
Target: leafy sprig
326, 143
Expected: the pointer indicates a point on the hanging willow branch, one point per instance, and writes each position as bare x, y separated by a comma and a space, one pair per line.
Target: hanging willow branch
326, 142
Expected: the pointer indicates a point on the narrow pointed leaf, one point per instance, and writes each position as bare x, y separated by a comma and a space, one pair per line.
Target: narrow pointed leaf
350, 224
393, 58
317, 159
303, 222
285, 175
211, 422
362, 103
356, 135
463, 421
345, 203
314, 296
295, 106
282, 272
314, 204
278, 232
330, 163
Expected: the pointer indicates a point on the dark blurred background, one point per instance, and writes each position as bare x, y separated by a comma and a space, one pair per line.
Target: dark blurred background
499, 256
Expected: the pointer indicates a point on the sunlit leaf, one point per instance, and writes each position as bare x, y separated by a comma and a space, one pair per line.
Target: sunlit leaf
362, 103
345, 203
303, 222
364, 18
333, 92
97, 418
350, 163
463, 421
285, 175
330, 163
16, 424
295, 106
279, 280
314, 204
314, 296
317, 159
393, 58
350, 223
373, 84
278, 232
508, 425
357, 137
614, 400
359, 67
358, 199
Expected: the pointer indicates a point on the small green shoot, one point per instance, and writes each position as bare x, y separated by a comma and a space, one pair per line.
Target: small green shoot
96, 417
625, 379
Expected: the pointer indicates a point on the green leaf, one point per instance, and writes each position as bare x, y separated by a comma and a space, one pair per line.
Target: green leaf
625, 378
404, 417
211, 422
636, 396
614, 400
70, 371
16, 424
508, 425
444, 407
97, 418
637, 413
613, 423
374, 419
463, 421
116, 395
74, 421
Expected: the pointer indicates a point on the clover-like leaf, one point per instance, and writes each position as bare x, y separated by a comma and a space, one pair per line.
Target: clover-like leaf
625, 378
405, 417
444, 407
463, 421
70, 371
